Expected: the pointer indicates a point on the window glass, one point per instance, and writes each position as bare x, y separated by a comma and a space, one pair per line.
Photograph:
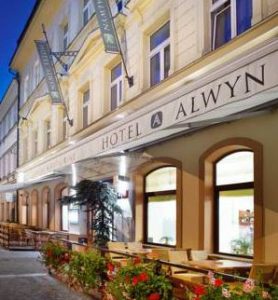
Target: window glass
65, 36
160, 200
236, 226
116, 90
235, 203
160, 36
166, 61
155, 69
244, 12
65, 217
162, 229
116, 72
48, 134
222, 26
162, 179
237, 167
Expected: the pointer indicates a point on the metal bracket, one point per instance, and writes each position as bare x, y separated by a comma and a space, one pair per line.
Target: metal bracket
58, 56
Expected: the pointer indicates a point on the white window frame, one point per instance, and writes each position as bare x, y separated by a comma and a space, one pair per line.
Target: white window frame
119, 82
214, 7
159, 49
88, 7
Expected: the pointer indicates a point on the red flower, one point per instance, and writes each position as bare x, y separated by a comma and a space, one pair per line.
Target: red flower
154, 296
218, 282
199, 290
110, 267
66, 257
136, 260
143, 277
135, 280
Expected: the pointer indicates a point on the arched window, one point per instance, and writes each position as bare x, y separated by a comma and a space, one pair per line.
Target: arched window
160, 206
234, 207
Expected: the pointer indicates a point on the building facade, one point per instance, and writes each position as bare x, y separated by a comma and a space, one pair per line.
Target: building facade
8, 149
190, 144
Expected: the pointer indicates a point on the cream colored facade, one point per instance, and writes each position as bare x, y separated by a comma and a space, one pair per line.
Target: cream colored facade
8, 149
192, 62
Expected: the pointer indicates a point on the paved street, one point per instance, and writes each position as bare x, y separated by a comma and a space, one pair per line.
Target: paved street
23, 277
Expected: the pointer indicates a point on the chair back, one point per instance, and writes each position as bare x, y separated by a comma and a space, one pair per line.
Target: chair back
134, 246
177, 257
263, 272
199, 255
161, 254
116, 246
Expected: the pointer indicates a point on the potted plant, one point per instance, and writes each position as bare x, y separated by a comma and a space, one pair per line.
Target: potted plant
86, 271
141, 282
100, 199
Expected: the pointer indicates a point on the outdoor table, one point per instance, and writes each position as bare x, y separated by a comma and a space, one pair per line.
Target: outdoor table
221, 265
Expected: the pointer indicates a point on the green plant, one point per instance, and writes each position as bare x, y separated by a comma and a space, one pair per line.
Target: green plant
86, 269
141, 282
218, 290
241, 246
100, 199
54, 255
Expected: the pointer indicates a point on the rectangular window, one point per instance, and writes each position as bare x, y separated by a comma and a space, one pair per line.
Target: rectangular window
229, 19
88, 10
160, 54
85, 108
48, 134
116, 86
65, 36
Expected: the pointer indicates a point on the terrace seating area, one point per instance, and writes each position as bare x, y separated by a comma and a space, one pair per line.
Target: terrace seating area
17, 236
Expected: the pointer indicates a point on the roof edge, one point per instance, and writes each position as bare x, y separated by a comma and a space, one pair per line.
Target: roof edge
25, 29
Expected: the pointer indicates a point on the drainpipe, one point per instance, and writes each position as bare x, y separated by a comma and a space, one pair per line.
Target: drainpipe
16, 75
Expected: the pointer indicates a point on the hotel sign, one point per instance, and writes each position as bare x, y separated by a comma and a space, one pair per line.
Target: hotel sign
217, 95
106, 26
49, 71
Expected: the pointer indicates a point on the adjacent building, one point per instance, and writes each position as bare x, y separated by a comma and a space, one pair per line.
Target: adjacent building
191, 145
8, 150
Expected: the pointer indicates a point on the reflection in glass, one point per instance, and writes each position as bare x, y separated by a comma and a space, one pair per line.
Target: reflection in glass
162, 219
236, 222
237, 167
162, 179
155, 69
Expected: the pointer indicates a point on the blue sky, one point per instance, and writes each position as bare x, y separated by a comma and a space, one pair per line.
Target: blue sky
13, 16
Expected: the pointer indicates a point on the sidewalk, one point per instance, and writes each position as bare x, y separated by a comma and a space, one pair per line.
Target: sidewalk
23, 277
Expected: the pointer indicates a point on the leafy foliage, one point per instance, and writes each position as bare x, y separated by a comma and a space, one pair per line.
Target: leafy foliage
86, 269
218, 290
54, 255
100, 199
140, 282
